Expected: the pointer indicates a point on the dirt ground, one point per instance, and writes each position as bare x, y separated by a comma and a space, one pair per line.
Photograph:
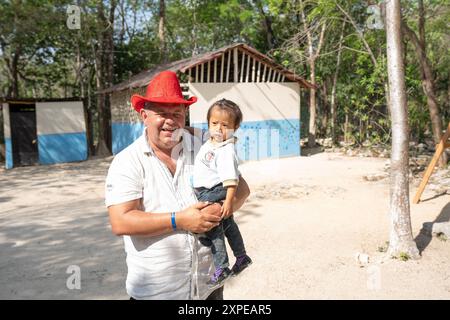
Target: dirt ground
306, 220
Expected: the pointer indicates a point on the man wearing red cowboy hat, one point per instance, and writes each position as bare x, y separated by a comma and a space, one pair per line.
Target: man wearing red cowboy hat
151, 202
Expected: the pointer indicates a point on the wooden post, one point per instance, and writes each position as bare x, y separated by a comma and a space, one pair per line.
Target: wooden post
228, 66
264, 73
209, 71
443, 144
248, 68
221, 68
236, 66
215, 70
253, 71
242, 67
274, 75
196, 73
203, 72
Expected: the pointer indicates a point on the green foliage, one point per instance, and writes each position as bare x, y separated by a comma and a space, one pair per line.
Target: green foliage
53, 61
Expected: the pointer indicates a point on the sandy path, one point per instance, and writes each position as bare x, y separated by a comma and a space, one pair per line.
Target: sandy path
302, 233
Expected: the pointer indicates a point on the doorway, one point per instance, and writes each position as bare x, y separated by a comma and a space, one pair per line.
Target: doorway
23, 134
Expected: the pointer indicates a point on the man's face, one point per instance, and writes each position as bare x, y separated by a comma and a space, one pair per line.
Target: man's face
162, 120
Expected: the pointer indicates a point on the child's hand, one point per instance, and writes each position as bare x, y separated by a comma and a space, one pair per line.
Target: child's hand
227, 209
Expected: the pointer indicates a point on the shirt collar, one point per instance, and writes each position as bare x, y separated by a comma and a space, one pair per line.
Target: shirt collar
186, 142
221, 144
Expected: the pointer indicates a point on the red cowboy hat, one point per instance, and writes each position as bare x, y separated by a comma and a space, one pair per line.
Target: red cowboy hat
164, 88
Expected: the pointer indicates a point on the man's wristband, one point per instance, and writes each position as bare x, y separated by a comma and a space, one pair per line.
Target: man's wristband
174, 224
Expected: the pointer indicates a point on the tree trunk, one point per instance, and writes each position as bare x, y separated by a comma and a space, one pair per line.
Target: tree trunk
426, 74
312, 57
333, 89
312, 106
15, 78
324, 110
104, 73
267, 25
346, 133
401, 240
161, 31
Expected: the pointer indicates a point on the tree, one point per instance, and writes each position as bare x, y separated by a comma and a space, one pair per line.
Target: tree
26, 37
304, 46
162, 32
427, 76
104, 65
333, 89
401, 239
313, 54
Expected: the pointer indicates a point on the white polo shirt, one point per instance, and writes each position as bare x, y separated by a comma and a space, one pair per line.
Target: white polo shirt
216, 163
171, 266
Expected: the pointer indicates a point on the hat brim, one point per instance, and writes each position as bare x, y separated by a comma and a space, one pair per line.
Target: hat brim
138, 101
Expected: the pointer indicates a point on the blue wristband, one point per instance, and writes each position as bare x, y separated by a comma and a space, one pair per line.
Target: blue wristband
174, 225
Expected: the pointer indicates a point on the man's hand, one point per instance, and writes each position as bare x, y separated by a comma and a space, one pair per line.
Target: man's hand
212, 208
198, 218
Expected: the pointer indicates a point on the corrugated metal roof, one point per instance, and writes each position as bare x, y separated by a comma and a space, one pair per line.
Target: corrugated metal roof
143, 78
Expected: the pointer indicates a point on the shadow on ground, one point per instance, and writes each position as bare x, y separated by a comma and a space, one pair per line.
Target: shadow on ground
424, 237
37, 248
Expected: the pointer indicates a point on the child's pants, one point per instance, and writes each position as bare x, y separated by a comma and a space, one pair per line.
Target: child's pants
228, 227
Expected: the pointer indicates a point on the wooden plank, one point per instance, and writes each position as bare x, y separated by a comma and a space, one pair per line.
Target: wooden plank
209, 71
215, 70
242, 67
228, 66
196, 73
279, 77
248, 68
282, 78
189, 75
236, 66
264, 73
254, 71
258, 72
203, 72
269, 74
221, 69
439, 150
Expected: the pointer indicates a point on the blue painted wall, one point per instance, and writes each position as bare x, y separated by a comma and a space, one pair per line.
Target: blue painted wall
8, 153
124, 134
65, 147
266, 139
256, 139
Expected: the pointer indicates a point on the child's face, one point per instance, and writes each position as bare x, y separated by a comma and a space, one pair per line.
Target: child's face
221, 125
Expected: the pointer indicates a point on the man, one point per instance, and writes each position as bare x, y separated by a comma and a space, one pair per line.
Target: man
152, 204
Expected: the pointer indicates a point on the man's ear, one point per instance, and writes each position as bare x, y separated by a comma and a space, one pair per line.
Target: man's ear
143, 114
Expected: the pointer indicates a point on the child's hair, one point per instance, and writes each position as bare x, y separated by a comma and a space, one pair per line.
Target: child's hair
230, 107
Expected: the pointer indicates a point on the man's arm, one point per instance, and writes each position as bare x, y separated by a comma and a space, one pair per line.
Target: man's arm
242, 193
127, 219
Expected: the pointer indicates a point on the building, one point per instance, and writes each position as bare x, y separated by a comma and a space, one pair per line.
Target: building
39, 131
268, 94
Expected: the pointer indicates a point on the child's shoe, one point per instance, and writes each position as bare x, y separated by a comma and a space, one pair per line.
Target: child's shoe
219, 276
242, 262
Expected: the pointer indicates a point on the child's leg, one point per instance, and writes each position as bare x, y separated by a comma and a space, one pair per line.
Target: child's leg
234, 237
218, 247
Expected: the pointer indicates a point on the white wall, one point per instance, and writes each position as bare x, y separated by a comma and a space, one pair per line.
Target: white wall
60, 117
258, 101
6, 123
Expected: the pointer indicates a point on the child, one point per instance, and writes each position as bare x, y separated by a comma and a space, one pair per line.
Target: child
216, 178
